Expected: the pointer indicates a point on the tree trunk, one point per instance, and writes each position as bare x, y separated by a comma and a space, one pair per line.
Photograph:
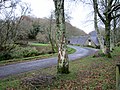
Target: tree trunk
107, 35
100, 39
114, 32
63, 62
51, 42
111, 40
50, 35
109, 7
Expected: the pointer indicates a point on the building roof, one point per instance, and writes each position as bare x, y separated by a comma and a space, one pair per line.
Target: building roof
93, 33
78, 40
82, 39
95, 40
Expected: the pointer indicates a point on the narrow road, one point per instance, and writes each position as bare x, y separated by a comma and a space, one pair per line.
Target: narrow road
12, 69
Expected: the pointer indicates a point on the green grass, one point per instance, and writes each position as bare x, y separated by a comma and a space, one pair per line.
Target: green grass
43, 48
38, 44
85, 74
12, 61
71, 50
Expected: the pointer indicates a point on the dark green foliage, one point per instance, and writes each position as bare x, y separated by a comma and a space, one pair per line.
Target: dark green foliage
34, 31
19, 52
5, 51
5, 56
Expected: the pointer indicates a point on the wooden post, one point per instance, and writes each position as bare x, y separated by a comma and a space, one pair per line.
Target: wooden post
118, 76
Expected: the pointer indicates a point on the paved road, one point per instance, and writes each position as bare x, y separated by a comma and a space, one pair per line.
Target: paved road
34, 65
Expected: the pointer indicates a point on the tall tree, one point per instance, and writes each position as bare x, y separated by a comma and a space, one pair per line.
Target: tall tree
63, 63
108, 8
9, 22
50, 33
100, 39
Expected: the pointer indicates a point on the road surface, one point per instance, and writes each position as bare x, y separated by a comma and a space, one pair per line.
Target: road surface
13, 69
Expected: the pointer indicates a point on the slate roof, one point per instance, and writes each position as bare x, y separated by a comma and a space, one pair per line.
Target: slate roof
82, 39
78, 40
93, 33
95, 40
93, 36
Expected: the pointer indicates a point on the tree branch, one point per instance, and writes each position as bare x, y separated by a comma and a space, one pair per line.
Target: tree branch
118, 15
110, 2
101, 17
116, 7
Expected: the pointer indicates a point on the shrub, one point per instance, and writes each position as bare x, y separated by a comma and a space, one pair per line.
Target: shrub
42, 38
5, 55
21, 42
20, 52
5, 51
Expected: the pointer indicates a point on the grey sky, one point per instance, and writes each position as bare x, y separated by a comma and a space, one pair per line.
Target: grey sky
80, 13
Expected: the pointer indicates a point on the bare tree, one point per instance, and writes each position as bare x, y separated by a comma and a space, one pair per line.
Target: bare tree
63, 64
50, 33
107, 8
9, 23
100, 39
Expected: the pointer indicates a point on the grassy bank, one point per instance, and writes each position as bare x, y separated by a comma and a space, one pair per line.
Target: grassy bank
38, 44
44, 51
89, 73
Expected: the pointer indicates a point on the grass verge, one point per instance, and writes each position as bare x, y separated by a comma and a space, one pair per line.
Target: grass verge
45, 47
38, 44
85, 74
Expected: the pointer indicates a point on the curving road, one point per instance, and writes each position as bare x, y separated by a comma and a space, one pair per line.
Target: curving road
12, 69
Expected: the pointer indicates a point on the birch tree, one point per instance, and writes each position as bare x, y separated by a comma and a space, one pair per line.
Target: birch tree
63, 62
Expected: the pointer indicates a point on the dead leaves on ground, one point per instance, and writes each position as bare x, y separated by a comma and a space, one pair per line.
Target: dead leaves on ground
97, 76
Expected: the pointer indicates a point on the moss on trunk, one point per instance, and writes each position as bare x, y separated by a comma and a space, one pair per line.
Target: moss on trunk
63, 69
107, 34
63, 62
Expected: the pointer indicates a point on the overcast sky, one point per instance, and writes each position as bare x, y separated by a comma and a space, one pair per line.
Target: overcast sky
81, 14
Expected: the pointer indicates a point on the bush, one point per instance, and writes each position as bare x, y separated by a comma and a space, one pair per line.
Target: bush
21, 42
5, 56
42, 38
5, 51
21, 52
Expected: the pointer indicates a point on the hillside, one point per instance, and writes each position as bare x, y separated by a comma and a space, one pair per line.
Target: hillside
74, 31
70, 30
39, 28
